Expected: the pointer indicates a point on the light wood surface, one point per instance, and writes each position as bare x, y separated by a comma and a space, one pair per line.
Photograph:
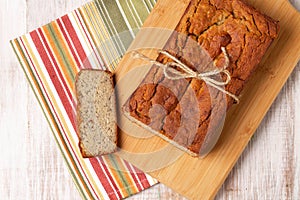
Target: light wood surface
31, 166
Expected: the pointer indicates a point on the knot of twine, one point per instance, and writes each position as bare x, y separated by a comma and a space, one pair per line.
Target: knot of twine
173, 74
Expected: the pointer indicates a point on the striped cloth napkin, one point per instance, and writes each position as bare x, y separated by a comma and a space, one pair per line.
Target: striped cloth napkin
52, 55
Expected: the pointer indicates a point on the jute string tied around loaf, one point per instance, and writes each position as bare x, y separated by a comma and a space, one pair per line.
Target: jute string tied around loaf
207, 77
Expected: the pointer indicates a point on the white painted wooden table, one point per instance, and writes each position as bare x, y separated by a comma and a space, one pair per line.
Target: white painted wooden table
31, 166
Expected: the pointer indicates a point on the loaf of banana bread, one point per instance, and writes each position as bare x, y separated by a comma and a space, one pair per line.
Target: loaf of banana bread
187, 112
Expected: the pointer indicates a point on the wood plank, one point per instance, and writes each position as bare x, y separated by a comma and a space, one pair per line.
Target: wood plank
262, 171
12, 126
258, 174
196, 178
31, 165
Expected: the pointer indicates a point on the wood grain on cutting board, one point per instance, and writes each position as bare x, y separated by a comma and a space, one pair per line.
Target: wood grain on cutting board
268, 168
201, 178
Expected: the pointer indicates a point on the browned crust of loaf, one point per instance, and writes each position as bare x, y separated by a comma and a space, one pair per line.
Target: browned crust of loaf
84, 153
204, 28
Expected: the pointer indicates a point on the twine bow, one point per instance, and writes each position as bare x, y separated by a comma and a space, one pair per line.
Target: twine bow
171, 73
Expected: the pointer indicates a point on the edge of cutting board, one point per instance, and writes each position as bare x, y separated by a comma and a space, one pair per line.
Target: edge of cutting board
201, 178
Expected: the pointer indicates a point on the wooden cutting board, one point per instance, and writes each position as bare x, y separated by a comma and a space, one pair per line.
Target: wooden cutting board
198, 178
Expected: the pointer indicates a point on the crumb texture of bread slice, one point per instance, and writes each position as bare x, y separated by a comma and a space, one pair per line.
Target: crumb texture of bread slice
96, 113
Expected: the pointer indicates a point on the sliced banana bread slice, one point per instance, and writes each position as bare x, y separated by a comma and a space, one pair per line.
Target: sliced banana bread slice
96, 112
